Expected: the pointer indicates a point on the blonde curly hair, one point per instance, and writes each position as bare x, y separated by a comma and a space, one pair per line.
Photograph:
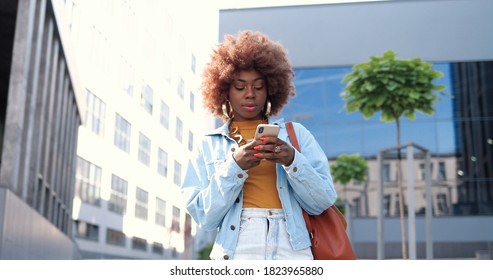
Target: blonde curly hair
247, 51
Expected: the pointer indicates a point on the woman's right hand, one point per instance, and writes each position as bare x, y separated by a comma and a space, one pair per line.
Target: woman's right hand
244, 155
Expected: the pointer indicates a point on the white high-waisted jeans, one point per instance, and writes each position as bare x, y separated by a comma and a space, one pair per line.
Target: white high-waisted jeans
263, 236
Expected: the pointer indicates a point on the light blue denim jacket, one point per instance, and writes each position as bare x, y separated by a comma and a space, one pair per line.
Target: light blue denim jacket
213, 184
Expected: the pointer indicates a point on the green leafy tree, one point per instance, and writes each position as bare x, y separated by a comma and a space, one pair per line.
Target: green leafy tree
204, 252
394, 87
349, 167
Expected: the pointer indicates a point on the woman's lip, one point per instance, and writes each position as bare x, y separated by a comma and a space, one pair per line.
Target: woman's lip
250, 107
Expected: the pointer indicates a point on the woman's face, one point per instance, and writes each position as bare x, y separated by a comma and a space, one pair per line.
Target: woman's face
247, 95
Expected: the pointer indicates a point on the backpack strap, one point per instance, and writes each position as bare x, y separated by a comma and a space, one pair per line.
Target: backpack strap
292, 136
296, 145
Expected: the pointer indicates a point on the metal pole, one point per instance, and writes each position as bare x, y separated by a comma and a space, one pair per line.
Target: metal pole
411, 213
380, 237
347, 211
429, 208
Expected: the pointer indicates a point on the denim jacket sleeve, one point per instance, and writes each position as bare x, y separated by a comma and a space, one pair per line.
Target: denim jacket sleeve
309, 174
213, 181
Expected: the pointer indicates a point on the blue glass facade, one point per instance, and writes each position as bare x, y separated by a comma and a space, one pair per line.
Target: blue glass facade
319, 106
461, 126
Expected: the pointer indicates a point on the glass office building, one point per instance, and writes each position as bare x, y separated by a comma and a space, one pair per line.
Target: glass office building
459, 135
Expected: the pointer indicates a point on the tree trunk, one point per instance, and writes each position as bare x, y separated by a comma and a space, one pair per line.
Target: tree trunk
399, 186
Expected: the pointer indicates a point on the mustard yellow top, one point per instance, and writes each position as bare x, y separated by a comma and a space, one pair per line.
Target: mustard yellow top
260, 189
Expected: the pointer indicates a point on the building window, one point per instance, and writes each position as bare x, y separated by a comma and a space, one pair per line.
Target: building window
88, 182
177, 177
162, 162
190, 141
175, 223
386, 172
192, 101
166, 69
164, 116
122, 133
168, 27
423, 170
181, 53
147, 98
442, 204
442, 173
118, 197
127, 76
139, 244
179, 130
194, 62
386, 205
115, 237
141, 201
127, 19
181, 88
397, 203
99, 50
188, 226
70, 12
160, 212
357, 206
157, 248
144, 149
95, 113
87, 231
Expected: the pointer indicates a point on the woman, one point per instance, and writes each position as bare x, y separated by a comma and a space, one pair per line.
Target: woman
253, 191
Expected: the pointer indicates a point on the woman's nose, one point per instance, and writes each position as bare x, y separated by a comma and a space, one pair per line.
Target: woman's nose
249, 90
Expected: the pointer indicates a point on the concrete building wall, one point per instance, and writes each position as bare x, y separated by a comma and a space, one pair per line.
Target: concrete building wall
348, 33
27, 235
40, 125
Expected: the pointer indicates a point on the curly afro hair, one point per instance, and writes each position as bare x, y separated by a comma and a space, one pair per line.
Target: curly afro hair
247, 51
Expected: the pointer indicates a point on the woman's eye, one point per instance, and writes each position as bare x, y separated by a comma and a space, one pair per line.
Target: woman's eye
241, 87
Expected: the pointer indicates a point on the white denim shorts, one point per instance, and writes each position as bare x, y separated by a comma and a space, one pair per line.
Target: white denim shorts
263, 236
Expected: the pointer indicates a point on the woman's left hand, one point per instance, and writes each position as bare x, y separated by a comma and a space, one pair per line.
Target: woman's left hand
274, 149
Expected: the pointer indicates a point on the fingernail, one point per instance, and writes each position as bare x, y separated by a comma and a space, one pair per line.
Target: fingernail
256, 155
263, 138
256, 148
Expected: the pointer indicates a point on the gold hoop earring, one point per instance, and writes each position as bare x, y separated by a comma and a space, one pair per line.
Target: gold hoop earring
268, 108
224, 107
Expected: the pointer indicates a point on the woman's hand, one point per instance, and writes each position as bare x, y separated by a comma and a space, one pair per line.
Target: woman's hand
244, 156
274, 149
269, 148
